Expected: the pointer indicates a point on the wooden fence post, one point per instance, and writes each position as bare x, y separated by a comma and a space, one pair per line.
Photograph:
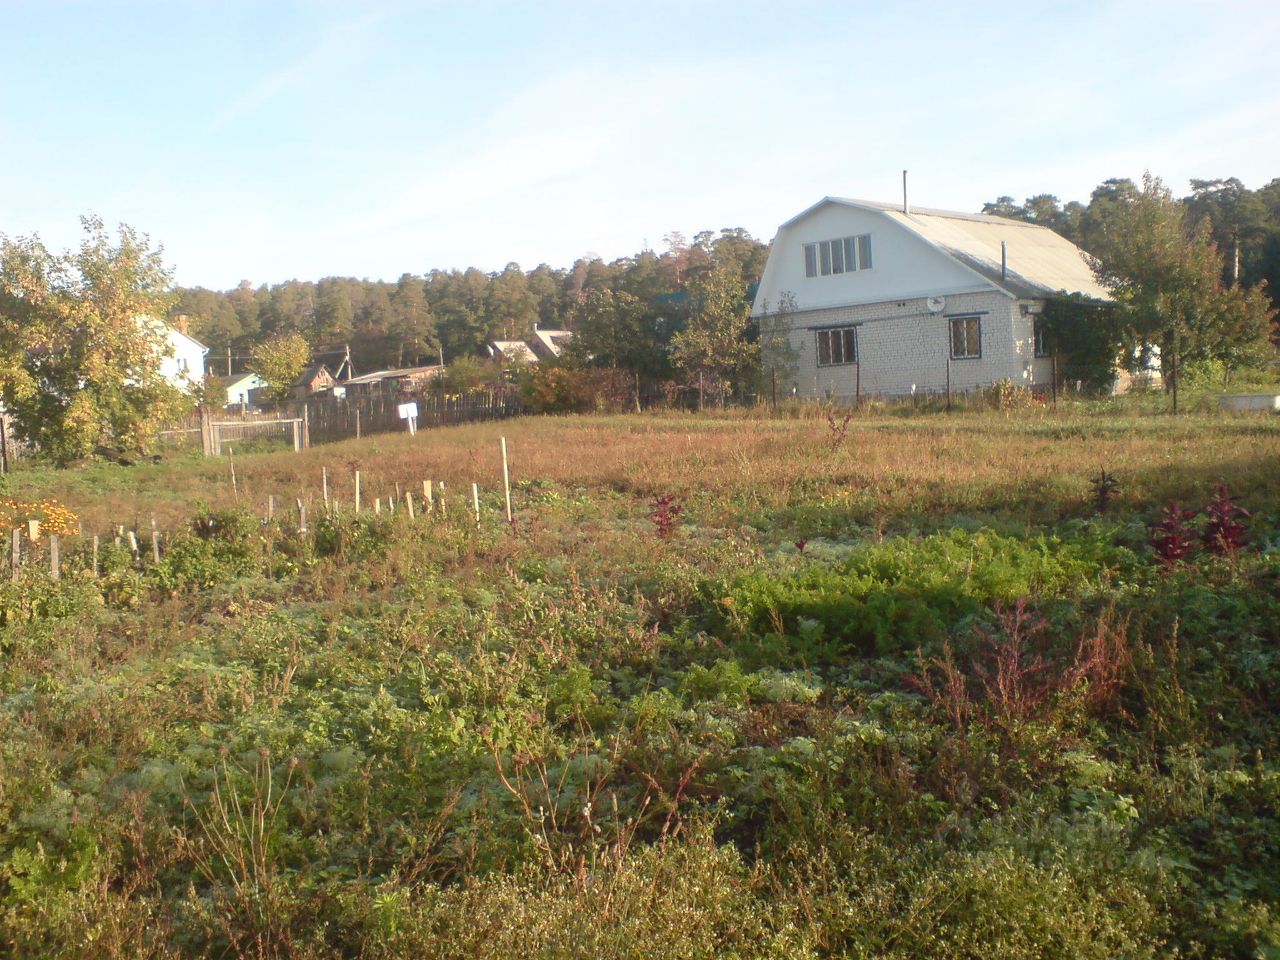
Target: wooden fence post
16, 554
206, 430
306, 425
94, 556
475, 500
357, 487
324, 483
155, 545
55, 549
408, 502
302, 516
506, 477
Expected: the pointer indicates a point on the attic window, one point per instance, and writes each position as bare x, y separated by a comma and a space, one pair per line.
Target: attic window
843, 255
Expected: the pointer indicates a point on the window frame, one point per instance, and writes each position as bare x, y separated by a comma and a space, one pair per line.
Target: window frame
846, 335
840, 255
1040, 348
976, 320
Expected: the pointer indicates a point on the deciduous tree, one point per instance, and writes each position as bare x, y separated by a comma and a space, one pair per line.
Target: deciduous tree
280, 361
81, 341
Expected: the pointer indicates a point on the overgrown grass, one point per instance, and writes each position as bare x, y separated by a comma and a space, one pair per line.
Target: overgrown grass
902, 695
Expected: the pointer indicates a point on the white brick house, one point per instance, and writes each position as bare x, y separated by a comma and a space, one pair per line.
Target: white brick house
878, 301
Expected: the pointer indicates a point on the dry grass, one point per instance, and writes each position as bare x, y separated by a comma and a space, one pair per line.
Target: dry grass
727, 469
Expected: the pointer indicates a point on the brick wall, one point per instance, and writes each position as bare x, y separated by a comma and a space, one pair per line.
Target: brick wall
901, 344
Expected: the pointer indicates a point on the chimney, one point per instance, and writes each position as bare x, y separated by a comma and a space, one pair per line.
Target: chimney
1004, 260
182, 323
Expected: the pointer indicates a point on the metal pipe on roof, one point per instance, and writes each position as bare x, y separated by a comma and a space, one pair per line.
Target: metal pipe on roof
1004, 260
905, 209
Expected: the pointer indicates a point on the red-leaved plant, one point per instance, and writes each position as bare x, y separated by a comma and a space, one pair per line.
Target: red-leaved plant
664, 513
1224, 534
1171, 536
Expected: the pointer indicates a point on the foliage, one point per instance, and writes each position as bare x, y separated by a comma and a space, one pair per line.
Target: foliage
1007, 395
1104, 486
715, 344
962, 717
570, 388
1224, 533
1087, 337
1171, 536
665, 512
80, 348
1168, 285
280, 361
465, 375
53, 516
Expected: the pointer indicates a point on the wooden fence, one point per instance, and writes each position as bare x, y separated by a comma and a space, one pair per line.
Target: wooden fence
326, 419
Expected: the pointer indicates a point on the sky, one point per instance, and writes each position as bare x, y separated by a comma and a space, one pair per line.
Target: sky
268, 141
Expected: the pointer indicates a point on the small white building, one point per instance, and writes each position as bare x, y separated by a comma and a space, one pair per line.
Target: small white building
875, 300
243, 390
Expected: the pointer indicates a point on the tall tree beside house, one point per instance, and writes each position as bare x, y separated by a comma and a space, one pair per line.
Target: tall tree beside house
413, 328
714, 347
616, 329
81, 342
280, 361
1167, 282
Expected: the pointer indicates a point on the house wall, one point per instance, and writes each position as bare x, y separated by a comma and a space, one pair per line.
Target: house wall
184, 367
902, 265
901, 344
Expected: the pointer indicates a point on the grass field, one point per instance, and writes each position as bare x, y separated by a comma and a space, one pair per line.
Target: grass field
729, 686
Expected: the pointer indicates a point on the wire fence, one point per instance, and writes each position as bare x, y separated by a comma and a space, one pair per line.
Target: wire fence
327, 419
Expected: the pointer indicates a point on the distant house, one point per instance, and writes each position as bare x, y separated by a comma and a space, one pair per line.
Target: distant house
243, 391
881, 301
401, 380
312, 380
182, 362
549, 344
512, 352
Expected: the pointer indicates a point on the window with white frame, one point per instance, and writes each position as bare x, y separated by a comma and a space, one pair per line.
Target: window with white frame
1040, 334
842, 255
837, 345
966, 338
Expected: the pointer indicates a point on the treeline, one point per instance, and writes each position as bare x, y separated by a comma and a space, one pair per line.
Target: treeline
629, 309
679, 314
1244, 224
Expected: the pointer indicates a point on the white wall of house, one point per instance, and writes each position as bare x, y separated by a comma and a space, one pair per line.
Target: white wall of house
184, 365
243, 389
901, 345
902, 265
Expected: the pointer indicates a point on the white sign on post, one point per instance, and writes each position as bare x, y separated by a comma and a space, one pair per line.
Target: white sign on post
409, 412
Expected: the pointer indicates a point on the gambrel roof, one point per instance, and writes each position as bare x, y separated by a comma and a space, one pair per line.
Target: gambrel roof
1039, 261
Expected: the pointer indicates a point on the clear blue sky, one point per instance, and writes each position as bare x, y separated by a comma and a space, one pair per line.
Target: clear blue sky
266, 141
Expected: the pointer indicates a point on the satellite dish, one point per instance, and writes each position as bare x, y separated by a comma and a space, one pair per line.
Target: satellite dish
936, 304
